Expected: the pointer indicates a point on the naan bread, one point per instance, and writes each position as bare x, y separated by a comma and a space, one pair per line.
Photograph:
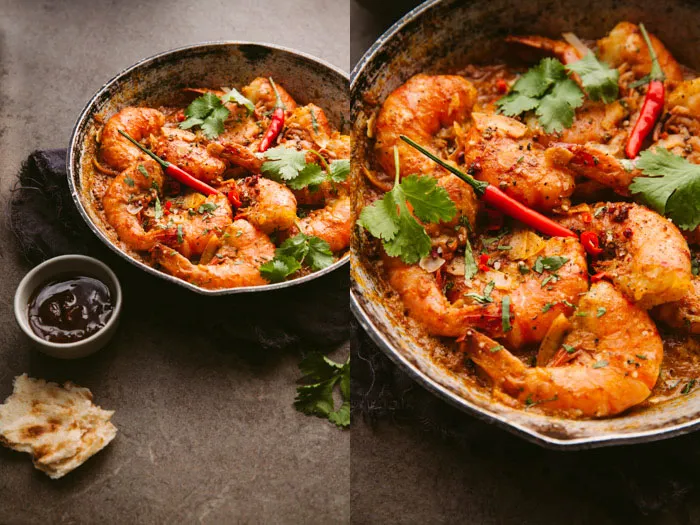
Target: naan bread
58, 425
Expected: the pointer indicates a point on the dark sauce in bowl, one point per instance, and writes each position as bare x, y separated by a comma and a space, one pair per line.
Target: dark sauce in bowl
70, 308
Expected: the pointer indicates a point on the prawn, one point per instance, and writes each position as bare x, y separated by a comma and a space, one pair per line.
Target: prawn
261, 93
683, 314
613, 365
197, 224
533, 306
135, 188
181, 147
332, 223
236, 263
271, 205
419, 109
644, 254
140, 123
502, 151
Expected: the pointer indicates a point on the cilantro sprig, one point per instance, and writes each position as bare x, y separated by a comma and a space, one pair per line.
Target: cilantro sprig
316, 397
209, 113
546, 89
295, 251
390, 219
289, 166
671, 186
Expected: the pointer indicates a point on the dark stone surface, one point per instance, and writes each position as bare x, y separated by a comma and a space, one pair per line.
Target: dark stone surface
207, 430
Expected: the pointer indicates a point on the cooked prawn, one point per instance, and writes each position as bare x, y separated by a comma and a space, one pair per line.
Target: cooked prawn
624, 47
268, 205
182, 148
126, 197
237, 263
260, 92
196, 225
533, 306
683, 314
613, 365
644, 254
332, 223
501, 150
564, 51
140, 123
419, 109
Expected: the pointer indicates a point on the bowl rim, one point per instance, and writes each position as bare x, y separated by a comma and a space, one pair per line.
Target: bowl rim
445, 393
73, 147
21, 312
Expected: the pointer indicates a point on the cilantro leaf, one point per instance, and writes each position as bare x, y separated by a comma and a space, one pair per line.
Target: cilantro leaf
207, 112
671, 186
311, 175
431, 203
320, 255
598, 79
234, 96
548, 91
284, 163
339, 170
301, 248
316, 397
279, 268
390, 220
470, 267
158, 209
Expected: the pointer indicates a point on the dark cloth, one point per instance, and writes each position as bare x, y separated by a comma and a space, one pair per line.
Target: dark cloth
314, 315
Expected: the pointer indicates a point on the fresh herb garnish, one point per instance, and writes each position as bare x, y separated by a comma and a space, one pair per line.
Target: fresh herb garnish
470, 266
129, 181
486, 297
642, 357
234, 96
601, 311
569, 349
581, 314
207, 207
598, 79
143, 171
549, 263
207, 112
316, 397
390, 220
295, 251
505, 314
688, 386
289, 166
600, 364
546, 89
547, 307
496, 348
180, 237
158, 209
283, 164
671, 186
529, 402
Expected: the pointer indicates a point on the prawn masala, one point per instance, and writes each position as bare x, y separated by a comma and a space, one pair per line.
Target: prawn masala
223, 189
600, 137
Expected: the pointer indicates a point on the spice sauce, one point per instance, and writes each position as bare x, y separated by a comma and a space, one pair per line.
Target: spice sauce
69, 308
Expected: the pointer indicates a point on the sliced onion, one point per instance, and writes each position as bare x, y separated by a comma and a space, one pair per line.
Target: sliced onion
455, 266
576, 43
134, 208
431, 264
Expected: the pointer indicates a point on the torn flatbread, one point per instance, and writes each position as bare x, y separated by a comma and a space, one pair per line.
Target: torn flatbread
58, 425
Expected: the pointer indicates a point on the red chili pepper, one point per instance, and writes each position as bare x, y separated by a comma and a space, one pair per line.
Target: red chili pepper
483, 262
175, 172
234, 198
599, 277
590, 243
653, 103
277, 123
501, 86
500, 200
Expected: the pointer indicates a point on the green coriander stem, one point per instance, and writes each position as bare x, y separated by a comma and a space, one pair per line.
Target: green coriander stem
656, 72
278, 99
479, 186
144, 149
323, 161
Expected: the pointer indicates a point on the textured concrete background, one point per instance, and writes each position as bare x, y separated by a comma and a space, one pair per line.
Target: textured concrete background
205, 434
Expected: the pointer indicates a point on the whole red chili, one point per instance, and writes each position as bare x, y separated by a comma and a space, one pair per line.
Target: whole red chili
277, 123
175, 172
499, 200
590, 243
653, 103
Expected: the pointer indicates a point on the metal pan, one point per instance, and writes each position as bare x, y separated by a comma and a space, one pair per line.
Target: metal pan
155, 80
439, 36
